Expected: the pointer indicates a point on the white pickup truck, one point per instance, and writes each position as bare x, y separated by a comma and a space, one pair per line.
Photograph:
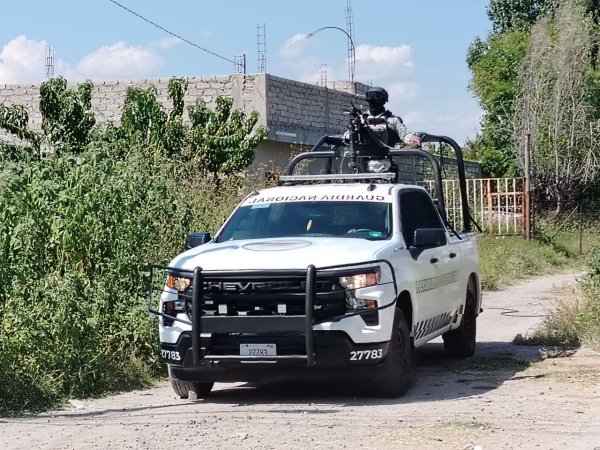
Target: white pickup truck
325, 275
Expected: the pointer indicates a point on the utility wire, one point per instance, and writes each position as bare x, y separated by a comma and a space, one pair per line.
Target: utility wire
170, 32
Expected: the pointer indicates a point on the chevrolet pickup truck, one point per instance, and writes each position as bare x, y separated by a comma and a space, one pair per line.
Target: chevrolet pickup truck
331, 275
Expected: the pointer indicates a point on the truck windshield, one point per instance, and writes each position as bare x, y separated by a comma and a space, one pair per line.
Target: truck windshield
344, 219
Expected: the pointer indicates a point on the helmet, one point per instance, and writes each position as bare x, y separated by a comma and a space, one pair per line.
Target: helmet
377, 94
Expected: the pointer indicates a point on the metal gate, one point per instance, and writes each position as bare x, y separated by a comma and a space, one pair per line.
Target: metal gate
497, 204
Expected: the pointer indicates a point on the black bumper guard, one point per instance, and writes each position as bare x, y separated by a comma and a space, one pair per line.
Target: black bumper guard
253, 324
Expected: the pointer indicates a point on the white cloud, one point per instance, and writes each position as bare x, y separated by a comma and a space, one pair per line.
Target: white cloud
117, 61
403, 90
294, 47
167, 43
460, 127
22, 60
378, 63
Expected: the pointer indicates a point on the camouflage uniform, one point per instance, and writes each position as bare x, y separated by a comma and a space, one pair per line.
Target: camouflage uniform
394, 124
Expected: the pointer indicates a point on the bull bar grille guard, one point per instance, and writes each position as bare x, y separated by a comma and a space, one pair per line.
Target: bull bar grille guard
272, 323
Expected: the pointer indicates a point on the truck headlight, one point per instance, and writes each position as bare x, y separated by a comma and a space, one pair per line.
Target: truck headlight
353, 282
180, 284
353, 303
360, 281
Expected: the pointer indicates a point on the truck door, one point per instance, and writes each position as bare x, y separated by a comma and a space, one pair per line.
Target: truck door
435, 275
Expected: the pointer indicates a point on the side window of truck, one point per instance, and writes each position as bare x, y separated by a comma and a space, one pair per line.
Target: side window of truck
417, 211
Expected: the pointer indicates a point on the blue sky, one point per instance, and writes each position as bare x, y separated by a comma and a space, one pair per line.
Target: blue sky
415, 49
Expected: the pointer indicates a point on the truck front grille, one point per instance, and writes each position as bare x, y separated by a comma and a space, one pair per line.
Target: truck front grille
266, 297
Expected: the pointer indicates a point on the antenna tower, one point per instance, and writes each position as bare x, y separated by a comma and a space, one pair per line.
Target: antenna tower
261, 42
324, 75
49, 62
351, 40
239, 63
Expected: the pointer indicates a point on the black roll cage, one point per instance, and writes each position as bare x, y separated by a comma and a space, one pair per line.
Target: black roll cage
341, 148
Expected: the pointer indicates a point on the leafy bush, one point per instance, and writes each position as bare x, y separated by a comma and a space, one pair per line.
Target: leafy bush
79, 225
75, 235
576, 319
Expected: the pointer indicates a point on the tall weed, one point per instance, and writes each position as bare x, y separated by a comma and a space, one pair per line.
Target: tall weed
76, 233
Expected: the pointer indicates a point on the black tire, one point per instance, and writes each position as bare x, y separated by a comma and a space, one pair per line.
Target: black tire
398, 365
183, 388
460, 343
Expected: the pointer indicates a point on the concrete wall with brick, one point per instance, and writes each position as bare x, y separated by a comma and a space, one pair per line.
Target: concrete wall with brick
301, 113
296, 114
108, 96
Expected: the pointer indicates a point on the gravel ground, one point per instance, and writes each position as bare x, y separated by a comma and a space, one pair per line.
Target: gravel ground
503, 398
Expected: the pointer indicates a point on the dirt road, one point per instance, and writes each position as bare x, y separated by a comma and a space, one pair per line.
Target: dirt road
498, 399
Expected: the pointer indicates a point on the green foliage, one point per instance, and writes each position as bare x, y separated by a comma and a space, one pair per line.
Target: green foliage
79, 225
508, 15
67, 121
495, 64
537, 73
67, 117
76, 234
506, 260
15, 120
576, 319
221, 140
556, 106
143, 119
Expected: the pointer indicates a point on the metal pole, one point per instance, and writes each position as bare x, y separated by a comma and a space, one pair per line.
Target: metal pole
308, 311
527, 195
197, 296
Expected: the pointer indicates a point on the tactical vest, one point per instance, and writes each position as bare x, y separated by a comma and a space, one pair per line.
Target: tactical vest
381, 130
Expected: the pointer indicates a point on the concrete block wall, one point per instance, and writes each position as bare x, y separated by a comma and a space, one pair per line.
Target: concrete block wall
108, 96
25, 95
287, 106
301, 113
297, 114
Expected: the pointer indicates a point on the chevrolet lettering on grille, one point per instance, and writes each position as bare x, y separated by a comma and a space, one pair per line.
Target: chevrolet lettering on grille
263, 286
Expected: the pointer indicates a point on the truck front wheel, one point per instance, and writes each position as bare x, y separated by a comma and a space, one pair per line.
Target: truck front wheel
397, 368
183, 388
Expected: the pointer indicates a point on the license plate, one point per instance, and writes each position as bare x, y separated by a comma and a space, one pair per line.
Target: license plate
258, 350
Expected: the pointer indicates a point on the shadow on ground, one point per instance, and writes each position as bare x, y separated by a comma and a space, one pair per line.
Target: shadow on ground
436, 377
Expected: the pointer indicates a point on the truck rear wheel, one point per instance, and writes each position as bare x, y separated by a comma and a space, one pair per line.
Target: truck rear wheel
399, 361
460, 343
183, 388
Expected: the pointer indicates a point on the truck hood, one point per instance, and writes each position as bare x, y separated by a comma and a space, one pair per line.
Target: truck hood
281, 253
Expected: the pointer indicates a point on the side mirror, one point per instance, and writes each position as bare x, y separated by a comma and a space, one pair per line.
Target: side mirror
429, 237
195, 239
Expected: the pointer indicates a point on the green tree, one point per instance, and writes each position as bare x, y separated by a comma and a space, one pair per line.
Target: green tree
67, 117
15, 120
495, 65
223, 140
509, 15
220, 141
79, 225
558, 104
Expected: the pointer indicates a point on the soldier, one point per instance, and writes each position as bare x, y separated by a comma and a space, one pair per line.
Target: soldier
388, 127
